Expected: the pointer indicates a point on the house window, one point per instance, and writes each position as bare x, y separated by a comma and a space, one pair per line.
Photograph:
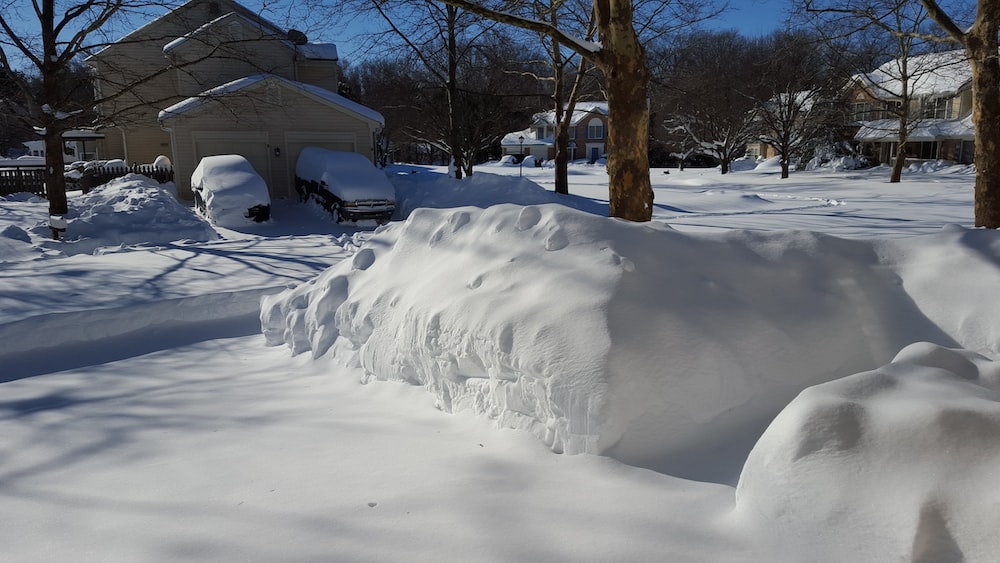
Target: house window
862, 111
937, 108
595, 129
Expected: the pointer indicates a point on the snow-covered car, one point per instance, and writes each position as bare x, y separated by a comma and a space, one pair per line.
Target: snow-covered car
229, 192
346, 184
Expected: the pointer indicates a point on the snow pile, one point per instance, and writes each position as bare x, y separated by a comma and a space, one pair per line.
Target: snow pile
413, 190
837, 467
596, 334
129, 210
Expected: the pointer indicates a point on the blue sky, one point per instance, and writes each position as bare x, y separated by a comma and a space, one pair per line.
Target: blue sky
760, 17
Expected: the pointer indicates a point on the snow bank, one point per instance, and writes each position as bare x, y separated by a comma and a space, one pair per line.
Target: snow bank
413, 190
837, 468
597, 334
129, 210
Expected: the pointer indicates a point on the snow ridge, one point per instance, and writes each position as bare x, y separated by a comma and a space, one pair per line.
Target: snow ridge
601, 359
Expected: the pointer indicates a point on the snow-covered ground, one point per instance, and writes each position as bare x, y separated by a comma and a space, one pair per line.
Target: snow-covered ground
779, 370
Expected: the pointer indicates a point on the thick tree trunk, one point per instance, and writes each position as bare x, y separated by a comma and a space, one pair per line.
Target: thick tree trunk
784, 167
981, 46
897, 166
986, 118
900, 162
624, 65
55, 180
562, 158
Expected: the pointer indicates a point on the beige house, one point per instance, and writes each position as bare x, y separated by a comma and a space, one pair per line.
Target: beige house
588, 134
940, 93
211, 77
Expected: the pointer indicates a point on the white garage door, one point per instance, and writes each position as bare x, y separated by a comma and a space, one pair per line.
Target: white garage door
295, 142
249, 145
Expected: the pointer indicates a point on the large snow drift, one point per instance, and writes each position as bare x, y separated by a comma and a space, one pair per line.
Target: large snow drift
708, 336
899, 463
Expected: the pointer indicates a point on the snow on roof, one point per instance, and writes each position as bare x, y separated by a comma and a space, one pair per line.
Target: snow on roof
184, 39
930, 130
931, 74
318, 51
254, 17
528, 137
581, 110
239, 84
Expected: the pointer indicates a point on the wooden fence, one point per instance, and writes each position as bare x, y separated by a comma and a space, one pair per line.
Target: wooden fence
16, 179
31, 179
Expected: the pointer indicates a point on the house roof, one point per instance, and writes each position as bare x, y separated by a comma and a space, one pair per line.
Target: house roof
223, 19
581, 110
318, 51
230, 6
930, 130
311, 51
194, 103
932, 74
530, 140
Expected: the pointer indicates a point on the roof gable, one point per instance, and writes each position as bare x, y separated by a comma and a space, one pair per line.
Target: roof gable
191, 14
194, 104
581, 111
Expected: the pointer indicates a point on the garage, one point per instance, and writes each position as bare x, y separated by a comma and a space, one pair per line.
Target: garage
251, 145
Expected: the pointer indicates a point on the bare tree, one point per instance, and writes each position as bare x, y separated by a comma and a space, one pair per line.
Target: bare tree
708, 84
622, 58
981, 47
60, 33
803, 95
439, 36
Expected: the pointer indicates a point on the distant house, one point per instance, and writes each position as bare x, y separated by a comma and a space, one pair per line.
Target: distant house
78, 144
588, 134
212, 77
940, 109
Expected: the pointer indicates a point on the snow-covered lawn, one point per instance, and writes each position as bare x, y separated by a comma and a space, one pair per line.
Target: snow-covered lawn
401, 392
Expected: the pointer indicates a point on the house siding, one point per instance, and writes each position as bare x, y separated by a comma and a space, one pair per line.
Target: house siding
298, 113
324, 74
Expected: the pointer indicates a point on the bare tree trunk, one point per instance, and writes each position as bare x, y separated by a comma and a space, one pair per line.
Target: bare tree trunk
631, 194
55, 181
562, 131
986, 118
454, 137
981, 46
55, 184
